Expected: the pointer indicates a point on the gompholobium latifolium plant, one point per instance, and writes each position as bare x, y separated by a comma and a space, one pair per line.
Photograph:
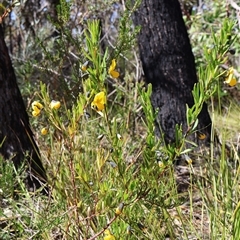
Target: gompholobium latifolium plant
107, 183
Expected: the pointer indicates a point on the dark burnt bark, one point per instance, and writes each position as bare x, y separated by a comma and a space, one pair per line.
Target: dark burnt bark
16, 138
169, 65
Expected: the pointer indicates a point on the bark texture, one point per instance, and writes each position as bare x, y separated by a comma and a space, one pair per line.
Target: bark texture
169, 65
16, 138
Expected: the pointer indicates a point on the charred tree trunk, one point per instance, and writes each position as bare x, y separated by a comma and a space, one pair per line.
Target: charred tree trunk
16, 138
169, 65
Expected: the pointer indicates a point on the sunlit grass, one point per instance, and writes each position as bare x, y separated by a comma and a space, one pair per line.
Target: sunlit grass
228, 123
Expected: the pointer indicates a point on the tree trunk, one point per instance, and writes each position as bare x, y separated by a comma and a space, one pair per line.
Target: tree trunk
169, 65
16, 138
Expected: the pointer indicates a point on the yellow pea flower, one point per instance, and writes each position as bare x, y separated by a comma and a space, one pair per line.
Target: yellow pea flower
99, 101
44, 131
84, 66
161, 164
129, 230
201, 136
111, 70
119, 209
188, 159
230, 80
35, 108
108, 235
37, 105
55, 104
36, 112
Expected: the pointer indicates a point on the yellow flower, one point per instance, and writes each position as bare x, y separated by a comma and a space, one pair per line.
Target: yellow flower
129, 230
188, 159
230, 80
99, 101
55, 104
201, 136
37, 105
44, 131
119, 209
36, 109
161, 164
108, 235
84, 66
111, 70
36, 112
